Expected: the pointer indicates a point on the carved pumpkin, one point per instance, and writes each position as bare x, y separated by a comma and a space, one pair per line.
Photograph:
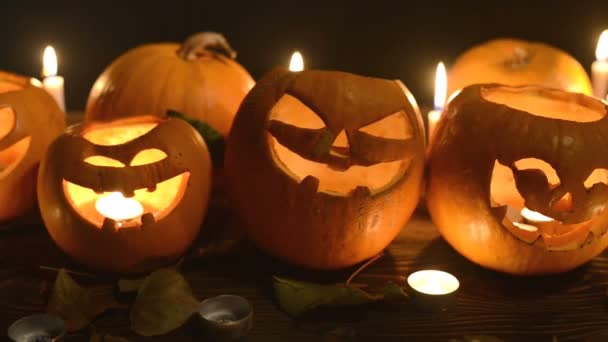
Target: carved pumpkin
325, 168
125, 196
518, 62
517, 178
200, 79
29, 121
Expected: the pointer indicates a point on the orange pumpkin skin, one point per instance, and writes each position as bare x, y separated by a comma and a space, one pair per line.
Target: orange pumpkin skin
518, 62
295, 218
32, 114
151, 244
474, 132
193, 79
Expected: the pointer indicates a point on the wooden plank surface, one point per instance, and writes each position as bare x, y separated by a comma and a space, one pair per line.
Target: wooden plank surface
572, 306
567, 307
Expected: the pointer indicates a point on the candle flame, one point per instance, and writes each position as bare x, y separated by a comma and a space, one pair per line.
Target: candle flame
119, 208
534, 216
297, 62
601, 52
441, 86
49, 62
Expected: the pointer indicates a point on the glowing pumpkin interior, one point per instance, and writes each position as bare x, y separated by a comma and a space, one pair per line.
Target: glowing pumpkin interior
375, 177
526, 224
113, 208
10, 156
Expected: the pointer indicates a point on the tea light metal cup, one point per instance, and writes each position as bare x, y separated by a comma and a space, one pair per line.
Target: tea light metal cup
37, 328
433, 290
225, 317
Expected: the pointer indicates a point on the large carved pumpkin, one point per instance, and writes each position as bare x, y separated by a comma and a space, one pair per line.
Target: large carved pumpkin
517, 178
200, 79
325, 168
125, 196
29, 121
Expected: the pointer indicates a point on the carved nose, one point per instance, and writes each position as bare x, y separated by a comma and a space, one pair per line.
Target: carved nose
340, 145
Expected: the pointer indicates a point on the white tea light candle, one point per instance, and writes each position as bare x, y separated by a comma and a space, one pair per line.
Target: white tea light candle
599, 68
441, 87
51, 82
433, 282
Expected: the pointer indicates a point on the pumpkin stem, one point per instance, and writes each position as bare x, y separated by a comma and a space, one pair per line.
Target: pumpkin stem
204, 43
521, 58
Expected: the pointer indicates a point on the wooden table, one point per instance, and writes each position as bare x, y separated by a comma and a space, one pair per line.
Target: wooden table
571, 306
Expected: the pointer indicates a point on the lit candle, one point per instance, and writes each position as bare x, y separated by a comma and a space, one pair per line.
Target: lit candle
599, 68
441, 86
296, 63
118, 207
433, 282
51, 82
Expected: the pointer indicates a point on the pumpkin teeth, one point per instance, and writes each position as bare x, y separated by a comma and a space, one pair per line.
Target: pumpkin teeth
147, 218
108, 225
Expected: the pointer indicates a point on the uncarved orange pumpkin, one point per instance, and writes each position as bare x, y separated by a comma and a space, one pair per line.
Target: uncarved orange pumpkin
324, 168
518, 62
125, 196
499, 150
29, 120
200, 79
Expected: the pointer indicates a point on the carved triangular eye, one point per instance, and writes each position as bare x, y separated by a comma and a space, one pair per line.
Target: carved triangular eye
7, 121
538, 164
598, 176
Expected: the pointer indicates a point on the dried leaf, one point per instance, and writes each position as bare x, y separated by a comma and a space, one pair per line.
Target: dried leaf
103, 337
164, 303
78, 306
214, 140
297, 297
129, 285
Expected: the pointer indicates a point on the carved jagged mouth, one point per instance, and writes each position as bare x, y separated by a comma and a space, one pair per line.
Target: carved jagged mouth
155, 203
11, 156
550, 234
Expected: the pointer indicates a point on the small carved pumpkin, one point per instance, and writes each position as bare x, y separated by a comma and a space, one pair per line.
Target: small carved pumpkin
125, 196
29, 121
200, 79
517, 178
325, 168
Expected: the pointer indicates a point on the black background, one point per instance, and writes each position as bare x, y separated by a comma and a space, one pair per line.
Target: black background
403, 40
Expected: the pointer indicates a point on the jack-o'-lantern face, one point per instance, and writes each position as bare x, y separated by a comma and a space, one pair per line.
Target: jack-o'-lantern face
132, 199
333, 153
518, 178
29, 121
141, 181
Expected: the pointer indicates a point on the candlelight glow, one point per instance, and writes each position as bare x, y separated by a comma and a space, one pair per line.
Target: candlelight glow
441, 86
433, 282
49, 62
35, 82
534, 216
601, 52
526, 227
297, 62
119, 208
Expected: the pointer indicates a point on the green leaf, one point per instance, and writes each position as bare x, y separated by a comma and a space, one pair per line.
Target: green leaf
129, 285
214, 140
78, 306
164, 303
297, 297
